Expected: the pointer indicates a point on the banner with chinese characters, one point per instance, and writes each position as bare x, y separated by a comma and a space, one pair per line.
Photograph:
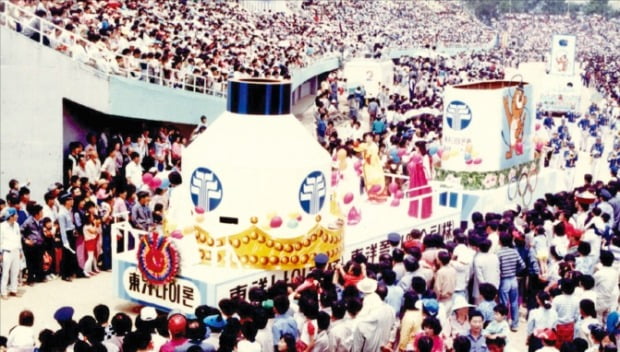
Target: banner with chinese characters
372, 248
563, 55
375, 247
184, 294
559, 102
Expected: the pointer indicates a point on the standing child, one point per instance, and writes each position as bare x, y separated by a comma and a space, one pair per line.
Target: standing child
92, 232
487, 306
541, 250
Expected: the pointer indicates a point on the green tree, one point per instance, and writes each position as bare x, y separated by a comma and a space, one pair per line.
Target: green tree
600, 7
554, 7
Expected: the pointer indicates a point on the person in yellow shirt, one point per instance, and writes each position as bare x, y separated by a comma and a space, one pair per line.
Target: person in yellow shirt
410, 322
372, 169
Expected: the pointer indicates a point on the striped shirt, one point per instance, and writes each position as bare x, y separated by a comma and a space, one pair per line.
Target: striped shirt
510, 262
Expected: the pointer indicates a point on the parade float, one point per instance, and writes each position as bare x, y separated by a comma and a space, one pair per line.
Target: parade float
259, 199
488, 154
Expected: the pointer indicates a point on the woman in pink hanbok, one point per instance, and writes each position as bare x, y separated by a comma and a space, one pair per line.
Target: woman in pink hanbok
420, 206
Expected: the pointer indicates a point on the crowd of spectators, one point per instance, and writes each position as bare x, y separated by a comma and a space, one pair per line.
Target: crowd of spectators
551, 270
68, 234
558, 260
176, 43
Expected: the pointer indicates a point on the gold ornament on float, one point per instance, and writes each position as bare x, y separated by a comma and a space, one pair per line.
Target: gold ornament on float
256, 248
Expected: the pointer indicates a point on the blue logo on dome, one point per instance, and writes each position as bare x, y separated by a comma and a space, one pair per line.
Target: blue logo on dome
206, 189
458, 115
312, 192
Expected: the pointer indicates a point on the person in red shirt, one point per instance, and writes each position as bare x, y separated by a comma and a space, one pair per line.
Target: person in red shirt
355, 273
573, 234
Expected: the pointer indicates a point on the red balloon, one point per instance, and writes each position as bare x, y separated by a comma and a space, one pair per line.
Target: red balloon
276, 222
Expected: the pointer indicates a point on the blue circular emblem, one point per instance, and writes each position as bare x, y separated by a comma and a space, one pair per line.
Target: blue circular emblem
206, 189
458, 115
312, 192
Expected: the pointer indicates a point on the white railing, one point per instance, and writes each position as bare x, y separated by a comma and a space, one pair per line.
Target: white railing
100, 59
122, 230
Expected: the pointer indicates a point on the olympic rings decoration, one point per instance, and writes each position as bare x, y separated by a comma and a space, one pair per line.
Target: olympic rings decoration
158, 259
523, 187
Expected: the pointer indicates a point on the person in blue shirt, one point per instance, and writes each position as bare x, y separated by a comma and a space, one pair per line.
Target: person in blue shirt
596, 153
321, 128
571, 116
563, 130
614, 158
584, 126
555, 144
488, 293
593, 108
283, 322
548, 121
378, 127
570, 161
593, 132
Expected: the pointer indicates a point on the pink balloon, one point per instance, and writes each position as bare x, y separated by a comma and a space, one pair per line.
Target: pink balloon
468, 162
348, 198
147, 177
155, 182
395, 202
176, 234
334, 179
199, 210
439, 152
374, 189
393, 187
537, 126
354, 217
399, 194
519, 148
357, 166
477, 161
276, 222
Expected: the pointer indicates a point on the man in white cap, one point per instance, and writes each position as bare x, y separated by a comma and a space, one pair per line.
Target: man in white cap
375, 318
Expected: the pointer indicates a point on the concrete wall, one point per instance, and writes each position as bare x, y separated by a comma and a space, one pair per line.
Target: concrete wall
33, 84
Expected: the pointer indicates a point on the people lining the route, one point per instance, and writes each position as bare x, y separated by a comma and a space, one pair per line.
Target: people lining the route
67, 234
558, 261
364, 304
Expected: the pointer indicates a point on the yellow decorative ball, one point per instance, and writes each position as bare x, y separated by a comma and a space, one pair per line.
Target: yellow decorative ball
318, 218
254, 220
